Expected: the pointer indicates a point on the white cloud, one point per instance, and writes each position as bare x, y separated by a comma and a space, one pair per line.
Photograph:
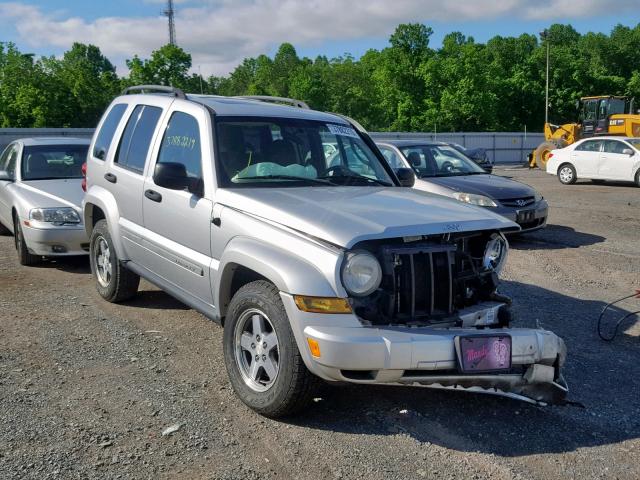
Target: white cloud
220, 33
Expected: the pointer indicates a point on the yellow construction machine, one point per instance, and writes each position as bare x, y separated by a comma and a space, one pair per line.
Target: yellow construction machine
603, 115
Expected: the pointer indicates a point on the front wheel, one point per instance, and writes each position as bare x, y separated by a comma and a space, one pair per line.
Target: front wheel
637, 179
263, 362
113, 281
24, 257
567, 174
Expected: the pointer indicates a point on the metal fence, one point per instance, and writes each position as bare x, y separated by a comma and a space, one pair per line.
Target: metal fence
510, 147
502, 147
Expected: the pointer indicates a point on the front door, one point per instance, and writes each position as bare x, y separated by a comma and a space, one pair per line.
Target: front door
614, 164
178, 222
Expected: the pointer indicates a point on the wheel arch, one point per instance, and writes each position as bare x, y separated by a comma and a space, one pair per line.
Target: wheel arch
99, 204
247, 259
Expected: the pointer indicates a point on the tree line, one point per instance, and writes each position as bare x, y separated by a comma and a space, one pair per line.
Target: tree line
408, 86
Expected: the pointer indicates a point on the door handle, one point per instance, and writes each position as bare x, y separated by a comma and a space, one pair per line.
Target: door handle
110, 177
153, 195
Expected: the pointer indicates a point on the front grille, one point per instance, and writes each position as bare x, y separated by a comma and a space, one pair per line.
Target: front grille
517, 202
421, 278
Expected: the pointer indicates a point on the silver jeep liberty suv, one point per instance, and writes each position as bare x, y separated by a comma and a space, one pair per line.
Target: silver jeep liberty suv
286, 226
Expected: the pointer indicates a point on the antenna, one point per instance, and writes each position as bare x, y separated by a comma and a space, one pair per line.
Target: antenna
169, 13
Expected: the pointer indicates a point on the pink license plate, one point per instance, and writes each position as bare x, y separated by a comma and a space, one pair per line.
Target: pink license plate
483, 353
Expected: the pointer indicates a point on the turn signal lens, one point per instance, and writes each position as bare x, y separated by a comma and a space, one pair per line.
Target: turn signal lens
314, 347
322, 304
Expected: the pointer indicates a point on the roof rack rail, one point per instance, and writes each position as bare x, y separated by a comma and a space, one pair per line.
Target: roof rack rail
266, 98
176, 92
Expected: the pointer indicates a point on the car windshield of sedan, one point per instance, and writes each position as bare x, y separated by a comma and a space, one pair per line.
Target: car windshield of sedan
264, 152
635, 142
440, 161
47, 162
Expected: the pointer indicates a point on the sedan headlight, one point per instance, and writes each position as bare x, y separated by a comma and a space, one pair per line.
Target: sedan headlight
361, 273
57, 216
538, 197
473, 199
495, 253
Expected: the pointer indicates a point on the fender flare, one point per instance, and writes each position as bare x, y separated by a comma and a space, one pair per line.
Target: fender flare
289, 272
99, 197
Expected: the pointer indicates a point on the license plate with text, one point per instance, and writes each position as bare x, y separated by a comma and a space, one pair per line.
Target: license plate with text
484, 353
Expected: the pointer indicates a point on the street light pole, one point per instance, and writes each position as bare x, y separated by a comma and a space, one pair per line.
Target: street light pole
544, 35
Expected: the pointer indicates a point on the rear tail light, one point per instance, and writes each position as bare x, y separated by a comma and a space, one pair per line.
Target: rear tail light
84, 174
550, 155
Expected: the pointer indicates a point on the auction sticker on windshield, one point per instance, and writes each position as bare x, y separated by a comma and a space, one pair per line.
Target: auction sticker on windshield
342, 130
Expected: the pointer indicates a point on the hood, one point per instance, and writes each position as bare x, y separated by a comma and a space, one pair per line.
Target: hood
345, 216
53, 193
492, 186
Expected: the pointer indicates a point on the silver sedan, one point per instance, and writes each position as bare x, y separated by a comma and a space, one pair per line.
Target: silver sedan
41, 195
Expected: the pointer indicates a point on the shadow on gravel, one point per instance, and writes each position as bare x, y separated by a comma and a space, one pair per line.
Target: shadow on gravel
602, 376
553, 237
79, 264
155, 299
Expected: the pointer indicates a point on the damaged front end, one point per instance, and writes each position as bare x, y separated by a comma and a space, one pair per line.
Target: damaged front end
438, 320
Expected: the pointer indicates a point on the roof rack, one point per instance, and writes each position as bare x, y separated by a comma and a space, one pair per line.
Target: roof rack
266, 98
176, 92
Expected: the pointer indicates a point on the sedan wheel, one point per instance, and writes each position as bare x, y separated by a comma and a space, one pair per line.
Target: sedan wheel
567, 174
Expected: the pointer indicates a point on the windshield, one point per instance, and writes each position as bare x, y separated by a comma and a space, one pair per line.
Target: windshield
46, 162
439, 161
634, 141
261, 152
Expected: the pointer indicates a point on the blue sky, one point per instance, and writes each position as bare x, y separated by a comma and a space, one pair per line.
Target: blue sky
219, 33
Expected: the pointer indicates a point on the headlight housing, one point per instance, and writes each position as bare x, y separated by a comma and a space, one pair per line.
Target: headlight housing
474, 199
495, 253
361, 273
538, 197
57, 216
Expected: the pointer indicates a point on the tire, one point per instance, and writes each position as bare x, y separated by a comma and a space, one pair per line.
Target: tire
292, 386
113, 281
541, 154
567, 174
637, 179
24, 257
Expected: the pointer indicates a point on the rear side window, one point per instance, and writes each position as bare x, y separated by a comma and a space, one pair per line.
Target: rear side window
589, 146
136, 139
101, 145
181, 144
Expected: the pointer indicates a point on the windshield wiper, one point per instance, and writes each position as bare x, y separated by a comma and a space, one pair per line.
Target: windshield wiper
287, 177
357, 177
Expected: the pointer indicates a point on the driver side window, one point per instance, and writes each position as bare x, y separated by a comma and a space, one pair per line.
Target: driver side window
181, 144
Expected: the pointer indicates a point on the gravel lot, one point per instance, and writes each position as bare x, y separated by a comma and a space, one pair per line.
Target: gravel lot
87, 388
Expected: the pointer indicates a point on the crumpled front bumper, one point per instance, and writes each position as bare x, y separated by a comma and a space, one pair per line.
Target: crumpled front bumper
427, 356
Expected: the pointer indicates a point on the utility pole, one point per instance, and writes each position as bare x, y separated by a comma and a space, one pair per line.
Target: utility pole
544, 36
169, 13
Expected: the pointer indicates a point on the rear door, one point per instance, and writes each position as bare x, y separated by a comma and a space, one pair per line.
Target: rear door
178, 222
615, 164
585, 157
125, 172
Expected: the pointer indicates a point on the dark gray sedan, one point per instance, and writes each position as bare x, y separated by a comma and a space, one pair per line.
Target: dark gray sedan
441, 169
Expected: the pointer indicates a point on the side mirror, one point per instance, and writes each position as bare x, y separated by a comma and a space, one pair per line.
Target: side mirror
406, 176
173, 175
6, 176
628, 151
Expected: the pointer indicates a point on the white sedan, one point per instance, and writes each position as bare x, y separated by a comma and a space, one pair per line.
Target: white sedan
598, 159
41, 195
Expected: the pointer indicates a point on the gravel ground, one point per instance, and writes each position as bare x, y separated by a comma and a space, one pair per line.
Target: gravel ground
87, 388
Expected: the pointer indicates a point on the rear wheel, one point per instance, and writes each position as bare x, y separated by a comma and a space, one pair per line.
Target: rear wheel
567, 174
264, 364
113, 281
24, 257
637, 178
